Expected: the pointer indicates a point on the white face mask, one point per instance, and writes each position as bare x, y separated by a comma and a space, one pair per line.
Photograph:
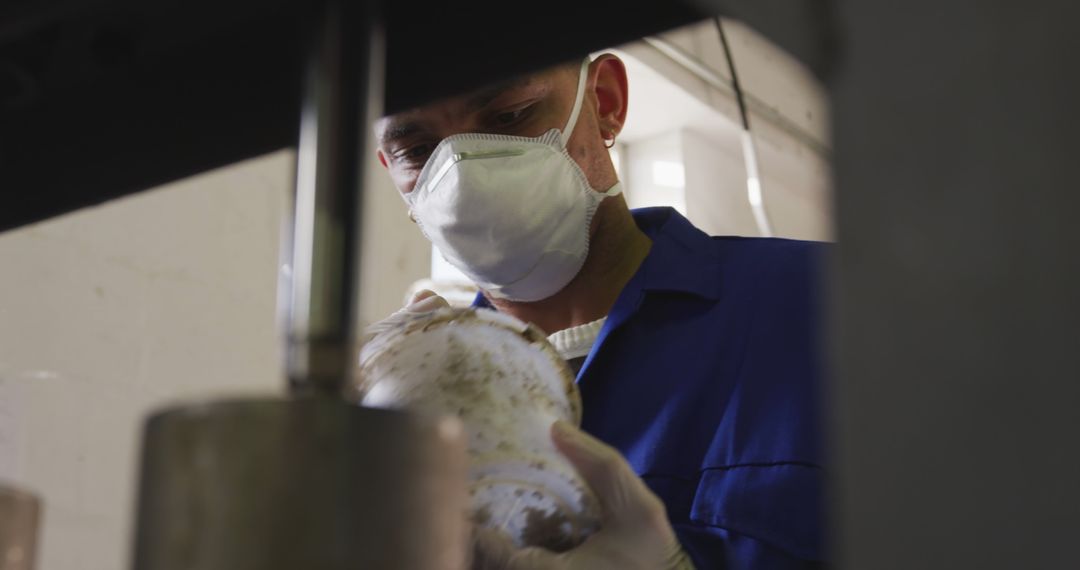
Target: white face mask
512, 213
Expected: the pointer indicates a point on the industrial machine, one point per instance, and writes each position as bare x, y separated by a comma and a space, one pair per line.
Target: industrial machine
954, 313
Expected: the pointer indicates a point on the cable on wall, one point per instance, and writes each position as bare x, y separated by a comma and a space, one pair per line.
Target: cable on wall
754, 191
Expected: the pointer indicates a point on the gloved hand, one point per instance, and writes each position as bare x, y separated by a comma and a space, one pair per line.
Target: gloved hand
634, 532
423, 301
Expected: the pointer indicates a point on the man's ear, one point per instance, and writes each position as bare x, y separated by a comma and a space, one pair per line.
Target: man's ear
382, 158
610, 87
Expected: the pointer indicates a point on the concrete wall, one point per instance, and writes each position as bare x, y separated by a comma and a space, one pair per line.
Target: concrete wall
110, 312
170, 295
677, 115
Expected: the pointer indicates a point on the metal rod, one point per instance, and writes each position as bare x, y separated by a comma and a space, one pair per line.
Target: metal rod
342, 93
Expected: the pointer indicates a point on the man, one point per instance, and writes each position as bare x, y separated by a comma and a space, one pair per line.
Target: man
695, 355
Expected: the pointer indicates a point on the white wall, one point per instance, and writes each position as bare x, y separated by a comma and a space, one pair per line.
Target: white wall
642, 185
112, 311
169, 295
675, 113
716, 182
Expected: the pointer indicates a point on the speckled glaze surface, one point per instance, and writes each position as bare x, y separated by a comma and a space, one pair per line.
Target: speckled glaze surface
508, 385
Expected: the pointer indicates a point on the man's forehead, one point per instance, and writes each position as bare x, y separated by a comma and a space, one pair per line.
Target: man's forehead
472, 101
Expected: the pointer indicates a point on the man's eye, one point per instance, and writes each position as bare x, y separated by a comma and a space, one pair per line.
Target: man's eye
510, 117
415, 153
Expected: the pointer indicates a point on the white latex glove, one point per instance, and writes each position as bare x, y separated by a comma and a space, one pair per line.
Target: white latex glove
634, 531
423, 301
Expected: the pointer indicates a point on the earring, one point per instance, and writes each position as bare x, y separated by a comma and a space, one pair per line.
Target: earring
610, 144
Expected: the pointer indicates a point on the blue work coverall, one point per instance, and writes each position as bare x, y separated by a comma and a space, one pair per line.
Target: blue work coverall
706, 376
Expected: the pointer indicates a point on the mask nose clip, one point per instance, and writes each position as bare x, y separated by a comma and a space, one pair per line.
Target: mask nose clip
460, 156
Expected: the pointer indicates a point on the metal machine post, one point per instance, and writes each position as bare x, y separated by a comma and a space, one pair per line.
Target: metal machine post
311, 481
342, 95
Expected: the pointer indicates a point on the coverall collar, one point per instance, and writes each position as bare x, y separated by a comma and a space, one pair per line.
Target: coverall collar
681, 259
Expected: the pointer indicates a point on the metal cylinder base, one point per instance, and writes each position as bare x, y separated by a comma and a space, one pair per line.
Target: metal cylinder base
308, 483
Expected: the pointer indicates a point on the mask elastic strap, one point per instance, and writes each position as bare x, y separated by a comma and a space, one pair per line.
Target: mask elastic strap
615, 190
578, 99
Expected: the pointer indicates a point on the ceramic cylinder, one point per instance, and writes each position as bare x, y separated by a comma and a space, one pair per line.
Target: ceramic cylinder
507, 384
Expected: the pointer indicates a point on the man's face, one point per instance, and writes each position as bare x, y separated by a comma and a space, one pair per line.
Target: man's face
526, 106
